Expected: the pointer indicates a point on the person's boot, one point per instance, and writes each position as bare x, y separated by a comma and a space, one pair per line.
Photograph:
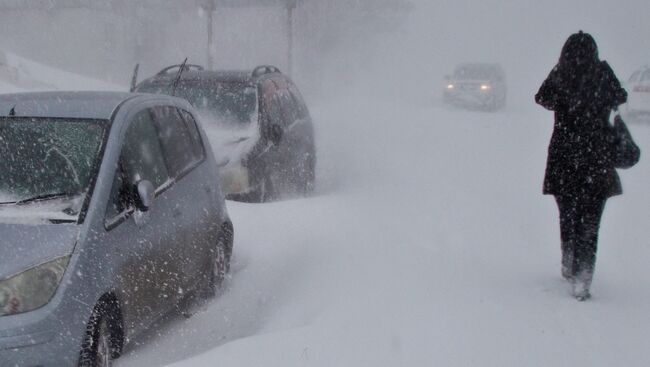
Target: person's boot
567, 262
581, 286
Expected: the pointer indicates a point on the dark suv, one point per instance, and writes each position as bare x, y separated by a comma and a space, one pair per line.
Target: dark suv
258, 125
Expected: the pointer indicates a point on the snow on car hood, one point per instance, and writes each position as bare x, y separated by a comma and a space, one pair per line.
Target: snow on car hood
25, 245
231, 144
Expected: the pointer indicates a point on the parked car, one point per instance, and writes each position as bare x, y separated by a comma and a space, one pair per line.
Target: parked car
638, 88
258, 123
111, 214
476, 86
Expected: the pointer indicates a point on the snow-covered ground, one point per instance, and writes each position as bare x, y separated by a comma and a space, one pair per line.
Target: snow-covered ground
428, 243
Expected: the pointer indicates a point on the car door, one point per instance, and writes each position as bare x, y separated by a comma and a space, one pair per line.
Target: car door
144, 283
189, 196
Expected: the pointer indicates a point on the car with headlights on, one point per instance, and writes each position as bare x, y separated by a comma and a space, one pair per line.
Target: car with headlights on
476, 86
110, 217
638, 89
258, 123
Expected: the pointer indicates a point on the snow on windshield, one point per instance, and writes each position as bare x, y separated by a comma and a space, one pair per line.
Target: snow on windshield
45, 157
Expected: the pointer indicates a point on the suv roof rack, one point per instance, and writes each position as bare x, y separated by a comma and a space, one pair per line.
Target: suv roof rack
265, 69
187, 67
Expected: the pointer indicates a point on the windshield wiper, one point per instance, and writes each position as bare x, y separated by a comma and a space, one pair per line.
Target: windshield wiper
44, 197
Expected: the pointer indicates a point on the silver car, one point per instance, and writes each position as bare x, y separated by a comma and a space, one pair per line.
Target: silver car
110, 215
638, 89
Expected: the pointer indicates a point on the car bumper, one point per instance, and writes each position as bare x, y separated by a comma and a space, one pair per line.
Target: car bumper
469, 98
43, 349
41, 338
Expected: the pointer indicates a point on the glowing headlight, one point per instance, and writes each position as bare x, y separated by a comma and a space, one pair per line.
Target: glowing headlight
485, 87
234, 180
450, 86
31, 289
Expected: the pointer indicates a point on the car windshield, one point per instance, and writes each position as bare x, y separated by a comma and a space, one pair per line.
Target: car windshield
479, 72
46, 159
231, 103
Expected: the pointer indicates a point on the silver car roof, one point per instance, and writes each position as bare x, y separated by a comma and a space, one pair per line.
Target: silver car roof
88, 105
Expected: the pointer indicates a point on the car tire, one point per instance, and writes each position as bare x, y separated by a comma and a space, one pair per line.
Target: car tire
98, 348
221, 262
308, 175
265, 190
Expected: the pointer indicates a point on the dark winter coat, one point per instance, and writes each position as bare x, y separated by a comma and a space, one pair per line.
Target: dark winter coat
582, 90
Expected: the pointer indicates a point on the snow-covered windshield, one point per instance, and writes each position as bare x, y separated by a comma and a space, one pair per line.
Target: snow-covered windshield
229, 103
47, 159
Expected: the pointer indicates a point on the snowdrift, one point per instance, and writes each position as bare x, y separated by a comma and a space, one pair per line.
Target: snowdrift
18, 74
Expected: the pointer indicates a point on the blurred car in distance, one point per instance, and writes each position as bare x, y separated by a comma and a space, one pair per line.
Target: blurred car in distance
258, 123
476, 86
638, 92
109, 218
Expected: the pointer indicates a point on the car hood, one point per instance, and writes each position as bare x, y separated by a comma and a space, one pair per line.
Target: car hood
24, 245
231, 146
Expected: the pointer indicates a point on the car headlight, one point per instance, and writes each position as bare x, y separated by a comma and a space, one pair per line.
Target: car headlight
485, 87
235, 179
33, 288
450, 86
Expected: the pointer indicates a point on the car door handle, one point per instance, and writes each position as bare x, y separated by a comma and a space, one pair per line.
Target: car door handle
177, 213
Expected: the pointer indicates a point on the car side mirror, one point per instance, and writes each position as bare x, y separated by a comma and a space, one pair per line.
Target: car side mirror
146, 195
275, 134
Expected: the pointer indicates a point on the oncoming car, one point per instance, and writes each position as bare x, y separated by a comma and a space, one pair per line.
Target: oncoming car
638, 89
110, 214
258, 123
476, 86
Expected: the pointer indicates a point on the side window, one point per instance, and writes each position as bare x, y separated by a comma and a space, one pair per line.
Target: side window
121, 198
273, 109
646, 76
141, 159
301, 108
634, 77
288, 107
197, 144
175, 138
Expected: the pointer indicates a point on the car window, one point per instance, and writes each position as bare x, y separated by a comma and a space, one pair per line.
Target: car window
175, 138
273, 109
634, 77
141, 159
197, 144
121, 198
646, 76
301, 108
288, 107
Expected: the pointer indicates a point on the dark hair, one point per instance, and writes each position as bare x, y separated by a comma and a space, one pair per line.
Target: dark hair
579, 49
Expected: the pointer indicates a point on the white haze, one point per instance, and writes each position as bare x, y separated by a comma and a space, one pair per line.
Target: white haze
428, 242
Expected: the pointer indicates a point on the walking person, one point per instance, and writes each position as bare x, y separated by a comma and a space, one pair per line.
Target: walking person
582, 90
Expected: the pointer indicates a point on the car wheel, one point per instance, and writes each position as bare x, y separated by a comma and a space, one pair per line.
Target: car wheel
97, 348
265, 190
308, 175
221, 262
